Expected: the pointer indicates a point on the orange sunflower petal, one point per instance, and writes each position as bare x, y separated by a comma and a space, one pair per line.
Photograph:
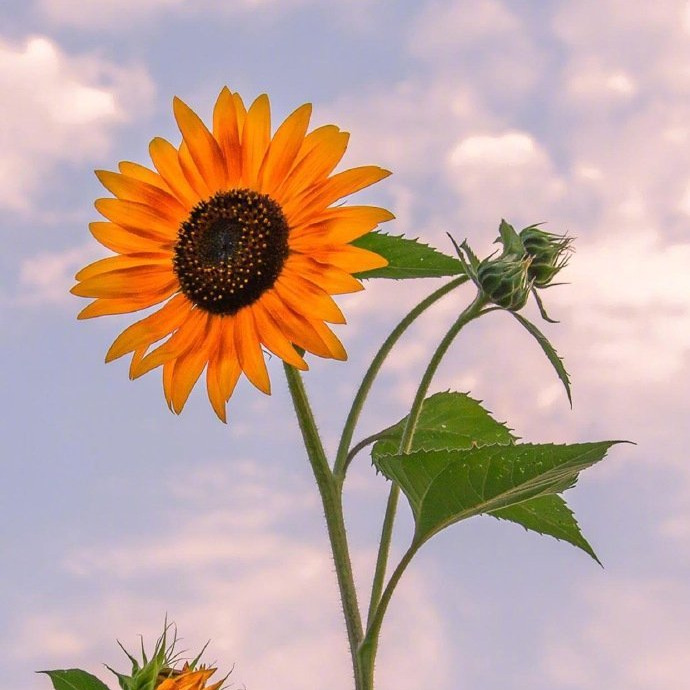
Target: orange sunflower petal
120, 240
223, 371
240, 111
192, 174
138, 218
166, 160
256, 136
119, 305
335, 347
131, 189
141, 172
316, 165
339, 225
315, 139
284, 148
129, 282
203, 148
226, 131
137, 356
274, 339
349, 258
334, 188
189, 680
152, 328
331, 279
249, 352
115, 263
189, 365
229, 368
176, 344
303, 296
296, 327
167, 377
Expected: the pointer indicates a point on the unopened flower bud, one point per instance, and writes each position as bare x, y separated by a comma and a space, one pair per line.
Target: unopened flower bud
158, 672
549, 253
505, 281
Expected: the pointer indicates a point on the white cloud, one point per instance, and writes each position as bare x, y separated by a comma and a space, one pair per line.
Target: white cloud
610, 164
511, 170
481, 43
510, 149
444, 28
634, 636
630, 305
57, 108
399, 127
45, 279
593, 83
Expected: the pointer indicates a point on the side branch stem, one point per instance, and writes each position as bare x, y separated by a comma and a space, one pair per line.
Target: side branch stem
341, 458
377, 604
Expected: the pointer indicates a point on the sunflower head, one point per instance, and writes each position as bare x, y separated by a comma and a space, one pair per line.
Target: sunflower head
158, 671
234, 238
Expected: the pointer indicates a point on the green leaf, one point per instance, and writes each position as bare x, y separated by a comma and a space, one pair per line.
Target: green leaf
74, 679
407, 258
447, 420
549, 351
542, 308
548, 515
446, 486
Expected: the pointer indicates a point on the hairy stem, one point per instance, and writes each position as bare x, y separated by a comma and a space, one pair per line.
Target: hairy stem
369, 645
377, 605
341, 459
331, 498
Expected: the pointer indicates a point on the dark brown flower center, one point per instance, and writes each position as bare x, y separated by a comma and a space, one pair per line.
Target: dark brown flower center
231, 250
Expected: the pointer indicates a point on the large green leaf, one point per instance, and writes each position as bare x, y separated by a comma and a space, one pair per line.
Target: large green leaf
548, 515
447, 420
407, 258
455, 420
446, 486
74, 679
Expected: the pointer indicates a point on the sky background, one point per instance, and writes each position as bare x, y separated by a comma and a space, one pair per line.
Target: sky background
115, 511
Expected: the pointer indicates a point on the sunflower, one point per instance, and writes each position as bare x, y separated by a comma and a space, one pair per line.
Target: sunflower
236, 234
187, 679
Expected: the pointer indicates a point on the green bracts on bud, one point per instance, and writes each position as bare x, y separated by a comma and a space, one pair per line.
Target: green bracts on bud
505, 281
145, 674
549, 254
529, 259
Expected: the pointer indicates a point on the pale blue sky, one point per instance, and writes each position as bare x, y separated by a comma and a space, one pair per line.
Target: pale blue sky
115, 511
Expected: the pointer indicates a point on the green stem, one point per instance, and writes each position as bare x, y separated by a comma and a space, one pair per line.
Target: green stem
377, 605
368, 648
469, 314
341, 459
386, 433
331, 498
384, 550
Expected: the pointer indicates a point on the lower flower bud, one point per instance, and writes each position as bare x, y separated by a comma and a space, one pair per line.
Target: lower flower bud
505, 281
